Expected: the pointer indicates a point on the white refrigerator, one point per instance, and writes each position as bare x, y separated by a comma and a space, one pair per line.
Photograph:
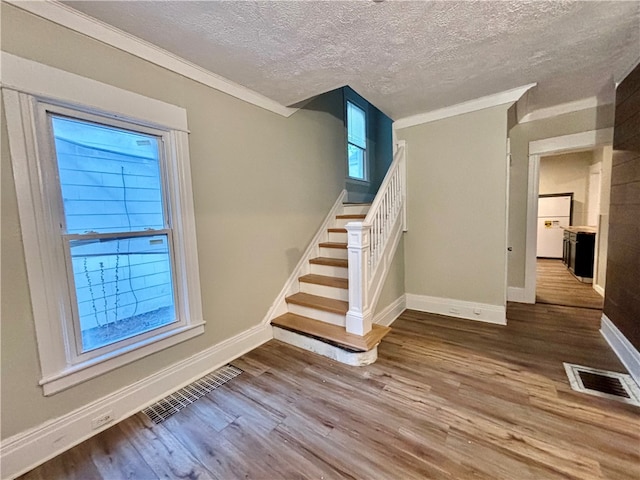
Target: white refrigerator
554, 212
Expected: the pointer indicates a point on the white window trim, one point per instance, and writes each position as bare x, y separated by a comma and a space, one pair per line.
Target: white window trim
25, 84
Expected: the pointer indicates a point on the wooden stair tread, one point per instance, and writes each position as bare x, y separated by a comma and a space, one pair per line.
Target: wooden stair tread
352, 216
333, 245
320, 303
332, 334
325, 280
331, 262
356, 203
338, 230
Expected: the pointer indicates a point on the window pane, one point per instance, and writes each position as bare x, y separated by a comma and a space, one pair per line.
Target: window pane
123, 287
356, 162
356, 126
110, 177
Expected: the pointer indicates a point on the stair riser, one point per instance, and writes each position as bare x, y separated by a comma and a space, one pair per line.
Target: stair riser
329, 270
338, 237
355, 209
329, 317
333, 252
341, 222
325, 291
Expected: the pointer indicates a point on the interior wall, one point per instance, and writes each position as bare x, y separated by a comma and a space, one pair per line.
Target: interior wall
622, 299
262, 185
393, 287
521, 135
568, 173
456, 174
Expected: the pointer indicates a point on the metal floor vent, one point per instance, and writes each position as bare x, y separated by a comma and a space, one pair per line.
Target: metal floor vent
602, 383
173, 403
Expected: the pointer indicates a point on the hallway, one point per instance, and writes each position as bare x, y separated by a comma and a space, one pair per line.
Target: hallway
557, 286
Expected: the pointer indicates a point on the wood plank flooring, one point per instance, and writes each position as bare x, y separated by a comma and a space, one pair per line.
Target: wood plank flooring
447, 399
556, 286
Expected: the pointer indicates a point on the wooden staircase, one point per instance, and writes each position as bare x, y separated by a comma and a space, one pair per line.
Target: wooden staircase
316, 313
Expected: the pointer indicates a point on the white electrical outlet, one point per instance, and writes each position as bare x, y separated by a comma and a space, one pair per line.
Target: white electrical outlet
106, 417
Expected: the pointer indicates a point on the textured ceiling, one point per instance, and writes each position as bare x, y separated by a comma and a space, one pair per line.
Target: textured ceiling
404, 57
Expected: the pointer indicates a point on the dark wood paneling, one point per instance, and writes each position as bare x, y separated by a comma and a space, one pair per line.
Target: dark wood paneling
627, 132
629, 86
447, 399
622, 301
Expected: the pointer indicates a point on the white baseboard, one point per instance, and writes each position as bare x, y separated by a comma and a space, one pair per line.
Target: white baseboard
516, 294
458, 308
598, 289
392, 311
627, 353
26, 450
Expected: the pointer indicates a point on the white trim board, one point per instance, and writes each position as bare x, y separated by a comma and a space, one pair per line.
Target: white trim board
562, 109
26, 450
627, 353
500, 98
576, 141
391, 312
458, 308
79, 22
549, 146
598, 289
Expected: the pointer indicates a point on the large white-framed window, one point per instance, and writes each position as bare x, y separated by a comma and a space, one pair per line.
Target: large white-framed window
356, 142
104, 194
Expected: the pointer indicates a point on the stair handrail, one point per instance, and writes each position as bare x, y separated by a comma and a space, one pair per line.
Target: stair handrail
372, 242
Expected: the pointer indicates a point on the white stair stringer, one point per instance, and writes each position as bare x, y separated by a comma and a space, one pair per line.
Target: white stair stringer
279, 306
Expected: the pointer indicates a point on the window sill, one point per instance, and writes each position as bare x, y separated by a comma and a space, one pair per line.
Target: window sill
358, 181
82, 372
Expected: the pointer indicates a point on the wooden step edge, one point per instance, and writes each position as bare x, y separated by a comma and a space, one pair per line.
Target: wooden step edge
319, 303
337, 230
325, 280
356, 203
331, 262
339, 245
353, 216
332, 334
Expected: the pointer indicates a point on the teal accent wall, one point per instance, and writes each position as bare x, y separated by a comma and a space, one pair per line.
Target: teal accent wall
379, 148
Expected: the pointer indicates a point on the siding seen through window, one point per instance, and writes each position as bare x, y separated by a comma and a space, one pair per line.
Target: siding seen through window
116, 232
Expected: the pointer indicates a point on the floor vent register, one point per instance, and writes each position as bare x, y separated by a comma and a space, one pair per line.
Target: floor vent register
173, 403
602, 383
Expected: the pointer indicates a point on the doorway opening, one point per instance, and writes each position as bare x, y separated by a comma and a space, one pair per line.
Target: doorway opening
569, 193
556, 277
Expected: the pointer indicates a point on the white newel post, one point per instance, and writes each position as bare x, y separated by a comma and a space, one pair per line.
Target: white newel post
359, 316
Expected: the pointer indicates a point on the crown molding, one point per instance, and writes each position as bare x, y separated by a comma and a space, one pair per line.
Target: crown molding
66, 16
508, 96
561, 109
